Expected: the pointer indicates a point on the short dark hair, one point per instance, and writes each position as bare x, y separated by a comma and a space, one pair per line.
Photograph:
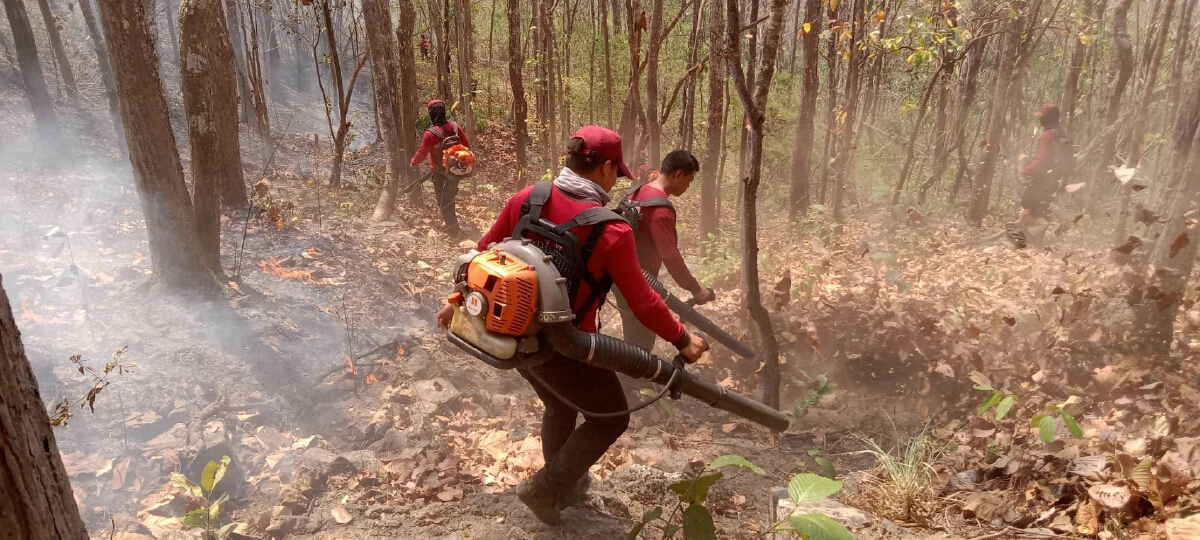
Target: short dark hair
579, 162
679, 160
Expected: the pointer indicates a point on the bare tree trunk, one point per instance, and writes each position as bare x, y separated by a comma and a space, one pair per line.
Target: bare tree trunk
407, 68
56, 44
239, 59
1112, 112
549, 65
1074, 69
1183, 35
258, 82
344, 92
653, 48
209, 86
1156, 300
437, 22
755, 107
36, 90
848, 110
713, 147
831, 74
170, 223
687, 117
608, 77
629, 112
274, 64
802, 154
106, 76
1139, 119
301, 81
520, 107
966, 99
1005, 68
36, 501
466, 49
378, 19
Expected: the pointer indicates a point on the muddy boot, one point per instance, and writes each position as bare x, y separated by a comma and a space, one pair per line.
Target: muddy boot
577, 495
540, 500
1015, 234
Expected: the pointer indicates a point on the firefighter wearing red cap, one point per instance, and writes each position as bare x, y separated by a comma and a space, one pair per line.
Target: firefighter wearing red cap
441, 134
1051, 164
592, 165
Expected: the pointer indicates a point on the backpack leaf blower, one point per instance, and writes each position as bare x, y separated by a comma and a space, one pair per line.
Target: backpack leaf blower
512, 310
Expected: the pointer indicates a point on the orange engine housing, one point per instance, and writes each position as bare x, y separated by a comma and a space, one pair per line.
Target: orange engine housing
511, 289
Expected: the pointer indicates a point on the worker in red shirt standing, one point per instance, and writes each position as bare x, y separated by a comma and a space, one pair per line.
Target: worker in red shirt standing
657, 239
442, 134
1045, 173
592, 165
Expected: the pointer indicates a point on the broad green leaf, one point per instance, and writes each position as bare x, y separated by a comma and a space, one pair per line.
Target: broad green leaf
646, 519
1072, 425
214, 510
222, 466
1036, 421
1004, 406
732, 460
669, 530
991, 402
208, 478
196, 518
819, 527
1046, 429
180, 481
695, 491
826, 466
698, 524
807, 488
981, 381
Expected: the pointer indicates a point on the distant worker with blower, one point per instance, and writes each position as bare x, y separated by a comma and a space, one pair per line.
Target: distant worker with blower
1052, 163
450, 159
652, 216
574, 203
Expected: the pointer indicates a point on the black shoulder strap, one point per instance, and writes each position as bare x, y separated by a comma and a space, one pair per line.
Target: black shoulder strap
592, 216
656, 201
537, 199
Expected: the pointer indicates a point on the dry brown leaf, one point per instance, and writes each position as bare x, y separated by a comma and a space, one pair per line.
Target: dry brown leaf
120, 470
1110, 496
1187, 528
1087, 518
341, 515
450, 494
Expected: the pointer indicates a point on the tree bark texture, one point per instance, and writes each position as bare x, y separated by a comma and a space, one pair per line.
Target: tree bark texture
713, 148
608, 78
849, 109
653, 51
239, 59
407, 68
1112, 111
629, 113
687, 117
755, 106
106, 76
466, 48
1075, 69
378, 20
802, 154
36, 501
1156, 300
258, 81
437, 19
1183, 38
36, 90
1005, 68
1140, 118
54, 30
170, 223
209, 86
520, 107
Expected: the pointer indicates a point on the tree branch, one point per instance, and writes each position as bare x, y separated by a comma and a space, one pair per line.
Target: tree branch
679, 84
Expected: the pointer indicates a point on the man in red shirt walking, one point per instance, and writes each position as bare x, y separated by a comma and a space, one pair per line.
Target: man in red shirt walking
1045, 173
445, 185
592, 165
657, 239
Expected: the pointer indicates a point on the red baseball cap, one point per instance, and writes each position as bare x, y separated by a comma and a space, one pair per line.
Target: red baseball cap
1046, 109
604, 143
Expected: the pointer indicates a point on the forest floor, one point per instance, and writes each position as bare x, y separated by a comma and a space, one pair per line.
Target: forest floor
909, 320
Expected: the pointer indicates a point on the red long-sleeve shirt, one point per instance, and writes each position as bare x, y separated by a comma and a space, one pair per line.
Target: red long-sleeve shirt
658, 242
615, 255
429, 141
1044, 158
